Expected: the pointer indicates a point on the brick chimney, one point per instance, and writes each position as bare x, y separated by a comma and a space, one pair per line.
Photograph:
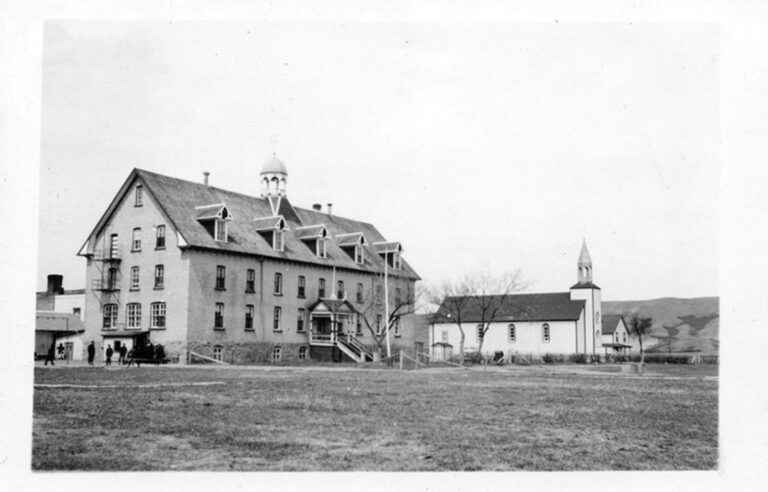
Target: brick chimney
330, 208
317, 207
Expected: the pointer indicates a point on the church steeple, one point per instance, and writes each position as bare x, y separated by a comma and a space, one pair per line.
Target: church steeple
584, 265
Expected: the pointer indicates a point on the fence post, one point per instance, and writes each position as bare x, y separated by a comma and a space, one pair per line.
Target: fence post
401, 359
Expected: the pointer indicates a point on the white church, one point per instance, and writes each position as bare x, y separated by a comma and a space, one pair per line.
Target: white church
554, 323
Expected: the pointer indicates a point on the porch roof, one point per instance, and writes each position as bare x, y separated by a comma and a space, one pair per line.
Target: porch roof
336, 306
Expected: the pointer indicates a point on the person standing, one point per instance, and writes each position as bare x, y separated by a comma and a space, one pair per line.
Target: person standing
91, 352
60, 350
109, 355
123, 351
51, 355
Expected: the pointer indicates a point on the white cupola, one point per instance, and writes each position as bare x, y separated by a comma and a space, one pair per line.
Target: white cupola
273, 177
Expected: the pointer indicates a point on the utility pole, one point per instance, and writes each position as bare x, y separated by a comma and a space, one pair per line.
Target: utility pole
386, 302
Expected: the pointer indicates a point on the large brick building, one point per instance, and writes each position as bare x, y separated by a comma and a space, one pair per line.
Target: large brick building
241, 278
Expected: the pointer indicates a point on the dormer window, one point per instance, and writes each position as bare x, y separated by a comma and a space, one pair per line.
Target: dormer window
390, 252
353, 244
315, 237
215, 218
272, 229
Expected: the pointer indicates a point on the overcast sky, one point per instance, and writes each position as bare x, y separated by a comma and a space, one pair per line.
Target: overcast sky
479, 146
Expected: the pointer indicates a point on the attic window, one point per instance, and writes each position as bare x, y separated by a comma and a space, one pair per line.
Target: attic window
390, 252
352, 244
272, 229
139, 196
215, 219
314, 237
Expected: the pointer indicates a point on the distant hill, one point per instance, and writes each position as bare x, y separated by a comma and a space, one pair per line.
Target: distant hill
679, 325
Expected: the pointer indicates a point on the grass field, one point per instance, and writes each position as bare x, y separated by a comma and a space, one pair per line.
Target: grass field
518, 418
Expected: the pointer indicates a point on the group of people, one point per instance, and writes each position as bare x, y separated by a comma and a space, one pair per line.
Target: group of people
148, 352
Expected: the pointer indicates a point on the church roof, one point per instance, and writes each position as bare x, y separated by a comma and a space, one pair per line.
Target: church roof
177, 199
585, 285
610, 323
584, 258
274, 165
554, 306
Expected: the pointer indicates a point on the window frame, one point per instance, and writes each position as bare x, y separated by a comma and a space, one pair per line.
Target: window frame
321, 287
301, 315
218, 316
157, 311
359, 295
135, 274
250, 310
160, 236
112, 307
136, 240
546, 333
250, 281
358, 325
221, 277
341, 292
301, 289
321, 248
277, 287
303, 352
159, 275
277, 353
479, 331
138, 196
218, 352
511, 333
133, 319
278, 240
220, 232
277, 315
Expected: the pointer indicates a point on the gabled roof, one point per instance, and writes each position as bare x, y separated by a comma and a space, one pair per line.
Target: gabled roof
215, 211
334, 305
177, 199
350, 239
265, 223
387, 247
556, 306
311, 232
610, 322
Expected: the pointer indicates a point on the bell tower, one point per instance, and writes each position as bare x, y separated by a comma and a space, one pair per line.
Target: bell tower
273, 177
590, 326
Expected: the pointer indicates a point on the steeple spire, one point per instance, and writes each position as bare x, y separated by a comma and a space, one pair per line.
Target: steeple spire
584, 265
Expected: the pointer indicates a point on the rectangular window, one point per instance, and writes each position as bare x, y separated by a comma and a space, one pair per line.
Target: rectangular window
160, 237
511, 334
218, 316
340, 289
139, 196
112, 279
136, 239
250, 281
479, 332
378, 324
302, 287
220, 234
249, 316
358, 254
396, 327
321, 288
157, 315
276, 353
159, 276
398, 297
110, 316
321, 248
133, 315
545, 329
276, 319
278, 283
358, 325
134, 278
221, 273
303, 352
277, 240
300, 321
76, 311
114, 246
359, 296
217, 350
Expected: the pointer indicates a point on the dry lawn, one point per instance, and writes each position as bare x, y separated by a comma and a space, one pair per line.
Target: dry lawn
519, 418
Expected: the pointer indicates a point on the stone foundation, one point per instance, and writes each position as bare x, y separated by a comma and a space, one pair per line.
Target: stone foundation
252, 352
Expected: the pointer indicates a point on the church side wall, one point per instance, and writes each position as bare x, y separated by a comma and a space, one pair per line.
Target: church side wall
529, 337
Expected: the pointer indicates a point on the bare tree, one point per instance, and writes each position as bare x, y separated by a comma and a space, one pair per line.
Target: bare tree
640, 326
372, 309
479, 297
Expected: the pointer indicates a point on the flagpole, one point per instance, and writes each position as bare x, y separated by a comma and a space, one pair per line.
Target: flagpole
386, 303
